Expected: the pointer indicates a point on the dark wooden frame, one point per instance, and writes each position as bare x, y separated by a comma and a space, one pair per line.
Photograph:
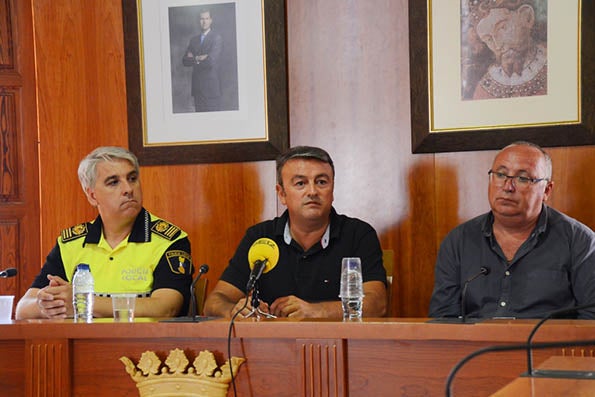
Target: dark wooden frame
423, 141
276, 100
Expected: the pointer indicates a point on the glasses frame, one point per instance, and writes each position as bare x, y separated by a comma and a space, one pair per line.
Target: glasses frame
517, 180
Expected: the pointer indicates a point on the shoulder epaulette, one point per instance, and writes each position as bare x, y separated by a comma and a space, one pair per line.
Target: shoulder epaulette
165, 229
74, 232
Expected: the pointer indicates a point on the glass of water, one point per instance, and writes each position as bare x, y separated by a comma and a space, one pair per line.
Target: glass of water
352, 290
123, 306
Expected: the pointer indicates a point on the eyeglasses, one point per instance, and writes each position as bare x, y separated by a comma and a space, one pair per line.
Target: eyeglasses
519, 181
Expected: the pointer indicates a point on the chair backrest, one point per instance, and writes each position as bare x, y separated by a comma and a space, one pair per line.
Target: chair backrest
200, 292
388, 260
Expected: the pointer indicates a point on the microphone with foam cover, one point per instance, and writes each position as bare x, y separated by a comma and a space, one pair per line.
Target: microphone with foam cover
262, 257
11, 272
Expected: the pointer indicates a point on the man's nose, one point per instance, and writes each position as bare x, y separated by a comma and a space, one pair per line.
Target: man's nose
509, 184
127, 187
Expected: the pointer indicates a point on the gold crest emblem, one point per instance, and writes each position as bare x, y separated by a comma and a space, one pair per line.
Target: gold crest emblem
179, 261
161, 226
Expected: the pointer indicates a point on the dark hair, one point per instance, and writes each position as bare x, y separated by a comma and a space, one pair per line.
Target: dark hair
302, 152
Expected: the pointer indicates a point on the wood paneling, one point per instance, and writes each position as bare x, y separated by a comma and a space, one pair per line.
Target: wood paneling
375, 357
349, 87
19, 167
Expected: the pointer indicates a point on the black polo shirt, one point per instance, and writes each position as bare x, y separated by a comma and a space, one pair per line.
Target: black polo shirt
312, 275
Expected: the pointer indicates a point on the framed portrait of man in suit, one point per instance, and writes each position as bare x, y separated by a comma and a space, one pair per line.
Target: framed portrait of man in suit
206, 80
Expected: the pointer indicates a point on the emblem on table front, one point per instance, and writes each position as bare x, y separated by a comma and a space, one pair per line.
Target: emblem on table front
176, 378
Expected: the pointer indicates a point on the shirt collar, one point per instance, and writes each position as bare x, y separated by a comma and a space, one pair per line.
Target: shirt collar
141, 230
326, 237
540, 227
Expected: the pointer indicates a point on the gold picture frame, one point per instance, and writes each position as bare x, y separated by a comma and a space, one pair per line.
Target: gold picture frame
427, 26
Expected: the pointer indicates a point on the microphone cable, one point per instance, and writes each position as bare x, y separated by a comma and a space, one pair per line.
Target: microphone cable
540, 323
231, 324
503, 348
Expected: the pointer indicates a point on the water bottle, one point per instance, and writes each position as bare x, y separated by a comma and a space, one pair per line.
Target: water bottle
351, 291
83, 293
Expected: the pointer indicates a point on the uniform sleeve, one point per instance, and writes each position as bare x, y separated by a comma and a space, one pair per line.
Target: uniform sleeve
53, 265
175, 269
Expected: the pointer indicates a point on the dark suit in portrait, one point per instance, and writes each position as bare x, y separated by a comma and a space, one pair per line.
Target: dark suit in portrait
203, 55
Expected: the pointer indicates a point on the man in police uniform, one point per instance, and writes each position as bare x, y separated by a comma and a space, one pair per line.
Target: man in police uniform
128, 249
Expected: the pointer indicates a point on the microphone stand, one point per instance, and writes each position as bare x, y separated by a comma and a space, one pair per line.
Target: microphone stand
483, 271
530, 370
256, 312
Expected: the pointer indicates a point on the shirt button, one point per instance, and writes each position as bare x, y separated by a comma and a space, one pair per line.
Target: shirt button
502, 304
507, 273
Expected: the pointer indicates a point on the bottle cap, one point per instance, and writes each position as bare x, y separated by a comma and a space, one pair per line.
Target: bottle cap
83, 266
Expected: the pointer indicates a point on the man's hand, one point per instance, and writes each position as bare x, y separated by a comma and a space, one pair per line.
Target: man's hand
292, 306
263, 307
55, 300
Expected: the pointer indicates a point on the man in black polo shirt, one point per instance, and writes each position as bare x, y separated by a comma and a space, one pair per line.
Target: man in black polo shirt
312, 239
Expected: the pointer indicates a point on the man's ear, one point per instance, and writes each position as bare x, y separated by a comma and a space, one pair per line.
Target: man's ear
280, 193
90, 193
548, 190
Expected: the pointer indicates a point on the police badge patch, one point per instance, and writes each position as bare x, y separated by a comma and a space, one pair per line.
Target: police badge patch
179, 262
165, 229
74, 232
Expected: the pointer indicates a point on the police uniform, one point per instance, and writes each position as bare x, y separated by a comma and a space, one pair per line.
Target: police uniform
155, 255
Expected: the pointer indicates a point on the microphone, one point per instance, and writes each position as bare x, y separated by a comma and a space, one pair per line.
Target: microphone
10, 272
521, 346
482, 271
262, 257
553, 314
203, 269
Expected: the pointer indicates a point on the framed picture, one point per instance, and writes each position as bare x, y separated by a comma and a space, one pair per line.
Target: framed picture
206, 80
474, 87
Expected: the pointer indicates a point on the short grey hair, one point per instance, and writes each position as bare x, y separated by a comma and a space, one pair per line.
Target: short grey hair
87, 171
303, 152
546, 156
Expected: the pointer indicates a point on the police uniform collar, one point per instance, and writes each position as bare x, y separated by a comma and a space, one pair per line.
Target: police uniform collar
141, 229
326, 237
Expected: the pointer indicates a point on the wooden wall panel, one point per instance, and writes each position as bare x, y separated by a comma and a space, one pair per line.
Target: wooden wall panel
6, 38
9, 150
348, 92
19, 167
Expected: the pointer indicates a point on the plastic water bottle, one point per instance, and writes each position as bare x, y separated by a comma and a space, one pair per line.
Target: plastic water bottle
83, 293
351, 291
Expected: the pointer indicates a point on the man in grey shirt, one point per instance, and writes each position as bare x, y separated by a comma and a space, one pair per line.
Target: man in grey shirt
537, 259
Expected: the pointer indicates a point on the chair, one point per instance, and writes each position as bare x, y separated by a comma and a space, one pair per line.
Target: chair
388, 260
200, 294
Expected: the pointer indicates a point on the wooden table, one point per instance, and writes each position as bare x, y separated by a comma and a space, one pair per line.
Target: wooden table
377, 357
562, 387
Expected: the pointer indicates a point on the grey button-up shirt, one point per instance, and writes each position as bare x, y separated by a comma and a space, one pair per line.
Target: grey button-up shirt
554, 269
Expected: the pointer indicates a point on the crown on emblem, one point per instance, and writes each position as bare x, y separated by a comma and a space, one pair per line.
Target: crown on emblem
176, 378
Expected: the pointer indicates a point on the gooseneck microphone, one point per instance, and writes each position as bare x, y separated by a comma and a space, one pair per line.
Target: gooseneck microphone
10, 272
483, 271
262, 257
203, 269
553, 314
